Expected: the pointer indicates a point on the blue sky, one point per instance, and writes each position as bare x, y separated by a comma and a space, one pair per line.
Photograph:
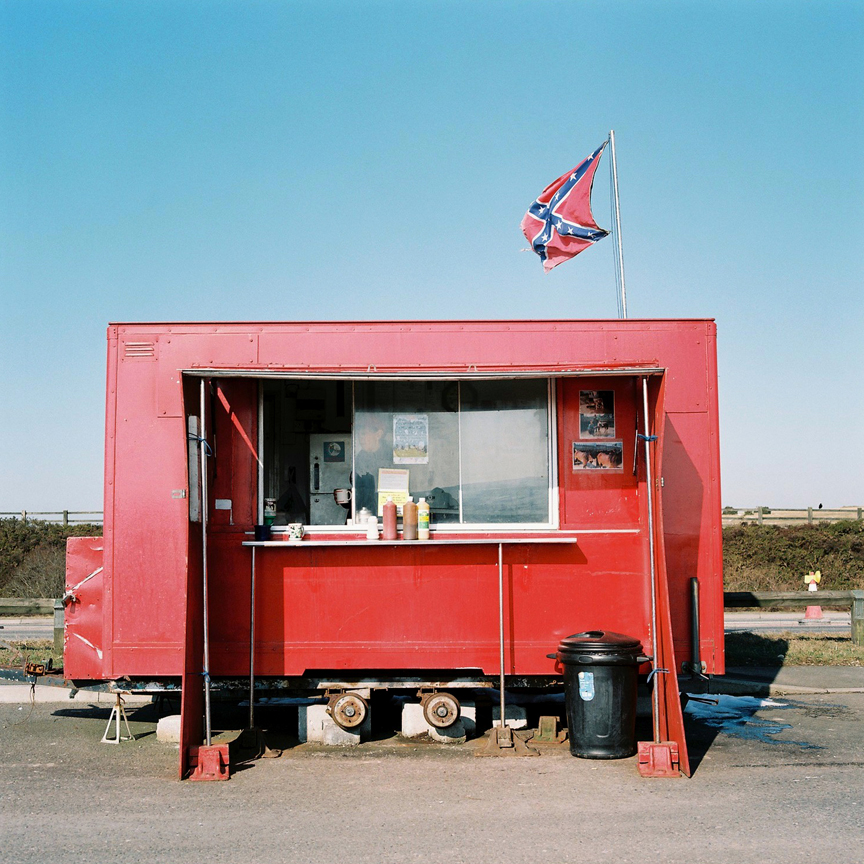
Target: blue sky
264, 160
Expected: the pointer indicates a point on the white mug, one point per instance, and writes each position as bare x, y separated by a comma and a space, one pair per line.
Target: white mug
342, 496
295, 531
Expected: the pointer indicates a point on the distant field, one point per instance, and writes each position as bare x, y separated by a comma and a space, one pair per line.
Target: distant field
785, 518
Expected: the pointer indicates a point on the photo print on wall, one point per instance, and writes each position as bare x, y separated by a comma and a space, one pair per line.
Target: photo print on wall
608, 455
596, 414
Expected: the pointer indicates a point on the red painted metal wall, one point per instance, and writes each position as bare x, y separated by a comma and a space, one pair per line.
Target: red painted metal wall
383, 607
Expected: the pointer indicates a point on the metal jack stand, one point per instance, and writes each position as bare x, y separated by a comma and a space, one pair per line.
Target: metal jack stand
252, 741
252, 744
502, 741
118, 712
547, 732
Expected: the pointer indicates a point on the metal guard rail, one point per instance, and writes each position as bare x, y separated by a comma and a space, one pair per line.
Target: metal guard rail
766, 599
731, 600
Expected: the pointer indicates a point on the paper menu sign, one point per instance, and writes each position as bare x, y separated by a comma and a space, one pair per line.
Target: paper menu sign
410, 439
392, 483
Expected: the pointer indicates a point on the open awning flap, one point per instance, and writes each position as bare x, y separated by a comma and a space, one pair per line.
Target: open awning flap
461, 374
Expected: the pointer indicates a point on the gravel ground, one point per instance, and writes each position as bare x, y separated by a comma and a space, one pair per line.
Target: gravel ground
779, 793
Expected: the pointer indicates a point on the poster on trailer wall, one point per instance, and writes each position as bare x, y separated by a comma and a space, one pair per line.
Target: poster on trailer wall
608, 455
410, 439
596, 414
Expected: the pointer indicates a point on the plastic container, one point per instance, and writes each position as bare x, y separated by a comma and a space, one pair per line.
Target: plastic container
371, 525
600, 676
389, 511
422, 519
409, 520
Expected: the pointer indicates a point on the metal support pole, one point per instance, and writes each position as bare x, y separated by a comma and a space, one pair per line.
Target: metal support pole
619, 245
202, 447
649, 483
695, 636
501, 627
59, 626
252, 647
858, 617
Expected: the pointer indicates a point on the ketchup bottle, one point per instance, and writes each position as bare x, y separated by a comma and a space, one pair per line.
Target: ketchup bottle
389, 510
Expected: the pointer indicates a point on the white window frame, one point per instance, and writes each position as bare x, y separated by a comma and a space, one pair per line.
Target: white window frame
445, 527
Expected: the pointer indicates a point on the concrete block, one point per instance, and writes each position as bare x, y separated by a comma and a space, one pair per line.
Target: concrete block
454, 734
316, 726
168, 729
514, 716
414, 724
338, 737
469, 718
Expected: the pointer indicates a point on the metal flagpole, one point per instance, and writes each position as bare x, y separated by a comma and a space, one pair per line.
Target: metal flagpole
618, 248
204, 516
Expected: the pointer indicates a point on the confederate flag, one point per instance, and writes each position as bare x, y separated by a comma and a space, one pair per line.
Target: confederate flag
559, 224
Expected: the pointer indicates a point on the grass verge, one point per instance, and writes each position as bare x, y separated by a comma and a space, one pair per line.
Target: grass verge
792, 649
742, 649
16, 653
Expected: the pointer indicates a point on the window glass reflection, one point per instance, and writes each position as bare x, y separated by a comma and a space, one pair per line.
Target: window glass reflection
505, 465
413, 427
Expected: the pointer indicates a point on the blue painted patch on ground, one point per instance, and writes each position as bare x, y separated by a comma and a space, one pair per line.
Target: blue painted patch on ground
735, 715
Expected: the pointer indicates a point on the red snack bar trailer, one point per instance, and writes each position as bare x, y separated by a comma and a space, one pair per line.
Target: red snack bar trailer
571, 469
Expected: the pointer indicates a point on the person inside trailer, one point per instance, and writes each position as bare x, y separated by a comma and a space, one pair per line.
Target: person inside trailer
372, 444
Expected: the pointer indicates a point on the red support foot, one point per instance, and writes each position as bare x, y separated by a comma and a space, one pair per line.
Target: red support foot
211, 763
658, 759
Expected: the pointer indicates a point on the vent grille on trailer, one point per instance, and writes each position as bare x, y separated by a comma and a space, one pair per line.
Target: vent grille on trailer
139, 349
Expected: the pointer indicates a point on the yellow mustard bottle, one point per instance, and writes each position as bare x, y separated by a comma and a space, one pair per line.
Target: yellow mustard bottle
422, 519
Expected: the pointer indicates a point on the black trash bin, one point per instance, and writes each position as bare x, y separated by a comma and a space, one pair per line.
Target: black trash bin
600, 692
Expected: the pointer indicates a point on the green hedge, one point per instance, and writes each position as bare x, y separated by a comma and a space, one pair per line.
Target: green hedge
769, 558
34, 540
755, 558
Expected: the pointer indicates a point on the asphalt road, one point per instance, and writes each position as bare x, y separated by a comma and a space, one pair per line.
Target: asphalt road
776, 783
838, 623
15, 629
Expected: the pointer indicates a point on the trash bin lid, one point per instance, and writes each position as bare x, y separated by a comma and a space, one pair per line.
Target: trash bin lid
599, 642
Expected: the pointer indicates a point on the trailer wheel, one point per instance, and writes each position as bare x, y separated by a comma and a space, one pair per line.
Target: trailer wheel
441, 710
348, 710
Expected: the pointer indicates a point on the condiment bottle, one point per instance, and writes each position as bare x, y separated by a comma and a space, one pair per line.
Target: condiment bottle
422, 520
409, 520
389, 511
371, 527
